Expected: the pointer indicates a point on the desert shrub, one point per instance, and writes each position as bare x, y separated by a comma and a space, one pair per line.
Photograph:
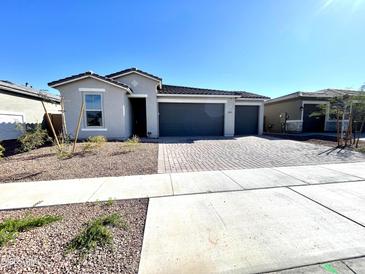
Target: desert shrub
361, 149
97, 139
94, 142
131, 144
33, 138
96, 233
2, 150
62, 152
9, 228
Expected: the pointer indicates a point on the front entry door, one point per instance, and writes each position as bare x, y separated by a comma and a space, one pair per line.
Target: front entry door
313, 119
139, 117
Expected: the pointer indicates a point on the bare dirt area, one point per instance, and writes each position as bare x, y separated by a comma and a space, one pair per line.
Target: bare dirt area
111, 159
43, 249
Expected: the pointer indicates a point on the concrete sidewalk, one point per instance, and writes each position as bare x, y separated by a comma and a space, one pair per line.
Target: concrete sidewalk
28, 194
251, 231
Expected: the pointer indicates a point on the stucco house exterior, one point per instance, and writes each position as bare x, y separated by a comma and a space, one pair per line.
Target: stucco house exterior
22, 104
132, 101
292, 113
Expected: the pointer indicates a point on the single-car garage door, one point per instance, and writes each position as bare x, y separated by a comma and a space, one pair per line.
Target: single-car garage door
191, 119
246, 120
8, 125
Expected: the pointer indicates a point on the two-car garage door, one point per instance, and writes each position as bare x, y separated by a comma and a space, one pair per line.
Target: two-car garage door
191, 119
204, 119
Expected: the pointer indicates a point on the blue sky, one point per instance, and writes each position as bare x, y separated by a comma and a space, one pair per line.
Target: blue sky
268, 47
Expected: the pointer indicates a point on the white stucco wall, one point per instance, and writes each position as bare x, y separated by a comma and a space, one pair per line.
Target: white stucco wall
16, 108
142, 85
116, 109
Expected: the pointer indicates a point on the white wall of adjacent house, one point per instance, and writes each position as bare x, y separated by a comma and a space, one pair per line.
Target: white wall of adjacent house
142, 85
16, 108
115, 109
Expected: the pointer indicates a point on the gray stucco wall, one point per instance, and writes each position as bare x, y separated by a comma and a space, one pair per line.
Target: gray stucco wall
16, 108
273, 111
142, 85
116, 109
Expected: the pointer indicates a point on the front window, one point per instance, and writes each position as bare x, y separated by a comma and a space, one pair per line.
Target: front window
93, 109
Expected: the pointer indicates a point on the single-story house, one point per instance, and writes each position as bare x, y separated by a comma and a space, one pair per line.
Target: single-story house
22, 104
132, 101
292, 112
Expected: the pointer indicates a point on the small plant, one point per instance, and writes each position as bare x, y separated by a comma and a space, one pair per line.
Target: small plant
361, 149
96, 233
63, 152
131, 144
9, 228
97, 139
94, 142
2, 150
110, 202
33, 138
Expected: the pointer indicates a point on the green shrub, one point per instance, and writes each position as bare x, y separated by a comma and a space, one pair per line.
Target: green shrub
2, 150
96, 233
94, 142
361, 149
9, 228
97, 139
63, 152
33, 138
131, 144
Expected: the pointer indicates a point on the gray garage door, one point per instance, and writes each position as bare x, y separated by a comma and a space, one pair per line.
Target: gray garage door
180, 119
246, 120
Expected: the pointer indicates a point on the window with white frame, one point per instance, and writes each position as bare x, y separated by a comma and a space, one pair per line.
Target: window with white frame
93, 110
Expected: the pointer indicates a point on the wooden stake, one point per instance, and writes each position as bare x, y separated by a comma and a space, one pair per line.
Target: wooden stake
64, 127
78, 127
51, 124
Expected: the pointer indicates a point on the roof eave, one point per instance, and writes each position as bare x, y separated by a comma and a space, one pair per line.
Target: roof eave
38, 95
61, 83
113, 76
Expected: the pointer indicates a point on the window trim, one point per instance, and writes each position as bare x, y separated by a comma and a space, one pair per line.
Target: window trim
86, 126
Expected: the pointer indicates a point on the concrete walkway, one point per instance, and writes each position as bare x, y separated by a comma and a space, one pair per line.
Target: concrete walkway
304, 219
29, 194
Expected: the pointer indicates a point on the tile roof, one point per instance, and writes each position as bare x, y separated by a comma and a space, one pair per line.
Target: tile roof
85, 74
330, 92
132, 70
25, 90
170, 89
320, 94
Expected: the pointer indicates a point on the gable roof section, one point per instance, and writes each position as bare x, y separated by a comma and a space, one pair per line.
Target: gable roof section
320, 94
181, 90
131, 70
23, 90
88, 74
330, 92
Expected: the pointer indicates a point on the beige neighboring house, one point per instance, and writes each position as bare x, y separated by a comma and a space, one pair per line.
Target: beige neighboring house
132, 101
22, 104
292, 113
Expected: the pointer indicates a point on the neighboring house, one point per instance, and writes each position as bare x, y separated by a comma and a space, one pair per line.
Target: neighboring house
131, 101
22, 104
292, 113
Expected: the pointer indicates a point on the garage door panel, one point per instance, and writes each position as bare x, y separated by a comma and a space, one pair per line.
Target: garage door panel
8, 126
246, 120
191, 119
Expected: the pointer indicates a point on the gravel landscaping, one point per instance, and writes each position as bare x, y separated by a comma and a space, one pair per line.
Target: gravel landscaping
111, 159
43, 250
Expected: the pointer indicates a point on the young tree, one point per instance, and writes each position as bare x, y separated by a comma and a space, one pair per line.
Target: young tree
358, 114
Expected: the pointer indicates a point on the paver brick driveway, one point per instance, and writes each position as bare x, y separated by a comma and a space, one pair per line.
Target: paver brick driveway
189, 154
